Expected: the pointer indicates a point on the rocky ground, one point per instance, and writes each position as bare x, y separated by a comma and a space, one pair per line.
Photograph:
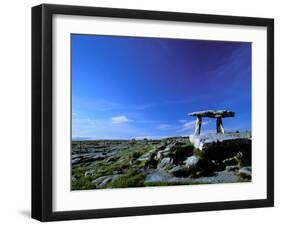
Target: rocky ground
170, 161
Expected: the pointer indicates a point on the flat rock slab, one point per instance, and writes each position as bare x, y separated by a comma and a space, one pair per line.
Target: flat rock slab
217, 177
90, 157
205, 141
213, 113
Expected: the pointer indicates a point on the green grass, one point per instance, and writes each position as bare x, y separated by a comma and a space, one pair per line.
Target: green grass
127, 160
130, 179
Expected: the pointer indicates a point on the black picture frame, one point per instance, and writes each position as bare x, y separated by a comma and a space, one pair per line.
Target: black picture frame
42, 111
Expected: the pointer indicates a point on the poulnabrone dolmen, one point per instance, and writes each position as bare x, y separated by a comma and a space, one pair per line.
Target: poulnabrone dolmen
211, 114
203, 141
229, 152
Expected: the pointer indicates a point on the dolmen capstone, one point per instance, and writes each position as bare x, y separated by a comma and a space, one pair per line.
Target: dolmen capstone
219, 114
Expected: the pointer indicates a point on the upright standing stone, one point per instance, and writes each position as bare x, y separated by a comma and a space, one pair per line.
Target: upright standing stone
220, 128
198, 126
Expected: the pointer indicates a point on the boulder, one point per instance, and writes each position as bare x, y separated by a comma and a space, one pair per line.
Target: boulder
90, 157
223, 146
112, 158
230, 161
102, 181
147, 156
180, 151
191, 162
73, 178
162, 154
88, 173
245, 172
180, 171
76, 161
148, 159
159, 155
232, 168
165, 162
203, 142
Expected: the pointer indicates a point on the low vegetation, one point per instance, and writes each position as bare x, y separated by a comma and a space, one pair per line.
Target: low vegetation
103, 164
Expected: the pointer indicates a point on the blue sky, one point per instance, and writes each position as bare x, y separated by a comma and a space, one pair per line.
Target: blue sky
133, 87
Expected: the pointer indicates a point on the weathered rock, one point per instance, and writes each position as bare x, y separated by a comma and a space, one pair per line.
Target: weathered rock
180, 171
191, 162
75, 161
180, 151
174, 169
88, 173
90, 157
245, 172
213, 113
147, 155
148, 159
205, 141
73, 178
102, 181
112, 158
162, 146
232, 168
165, 162
116, 172
159, 155
159, 175
230, 161
198, 125
162, 154
220, 147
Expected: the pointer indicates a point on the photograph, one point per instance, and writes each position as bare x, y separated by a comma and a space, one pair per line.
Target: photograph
151, 111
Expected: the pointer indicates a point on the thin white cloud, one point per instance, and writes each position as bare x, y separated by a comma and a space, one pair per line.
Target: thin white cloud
163, 126
188, 125
119, 119
191, 125
78, 120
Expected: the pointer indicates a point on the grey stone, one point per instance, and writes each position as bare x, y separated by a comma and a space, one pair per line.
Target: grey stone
180, 171
165, 162
232, 168
158, 175
230, 161
175, 169
245, 172
159, 155
90, 157
76, 161
102, 181
112, 158
198, 125
88, 173
213, 113
207, 140
162, 154
147, 156
191, 162
116, 172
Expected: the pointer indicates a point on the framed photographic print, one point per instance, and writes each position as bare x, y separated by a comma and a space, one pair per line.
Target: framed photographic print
145, 112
